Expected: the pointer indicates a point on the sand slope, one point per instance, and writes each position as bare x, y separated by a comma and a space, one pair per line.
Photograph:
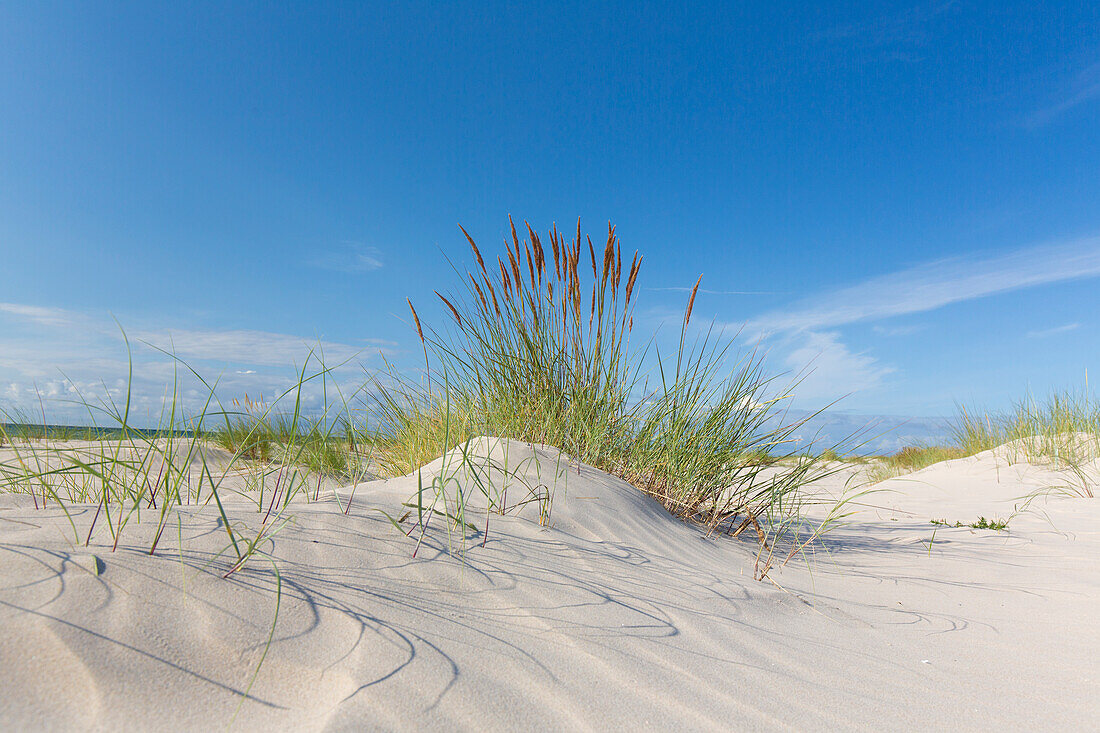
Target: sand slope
615, 616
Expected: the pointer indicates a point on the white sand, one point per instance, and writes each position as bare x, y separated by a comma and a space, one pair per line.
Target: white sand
617, 616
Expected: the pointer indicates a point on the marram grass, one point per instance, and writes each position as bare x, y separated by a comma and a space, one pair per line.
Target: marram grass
542, 348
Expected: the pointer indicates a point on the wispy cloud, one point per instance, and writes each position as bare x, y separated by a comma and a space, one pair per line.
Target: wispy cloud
230, 346
911, 28
832, 370
892, 331
59, 355
805, 334
53, 317
936, 284
246, 347
1053, 331
718, 292
350, 257
1084, 87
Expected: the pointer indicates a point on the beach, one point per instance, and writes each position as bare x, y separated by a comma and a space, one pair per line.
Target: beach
611, 614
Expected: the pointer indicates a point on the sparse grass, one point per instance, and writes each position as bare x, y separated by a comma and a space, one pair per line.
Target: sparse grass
128, 470
463, 477
831, 455
19, 425
760, 456
914, 458
253, 431
1063, 431
131, 475
909, 459
1063, 427
27, 431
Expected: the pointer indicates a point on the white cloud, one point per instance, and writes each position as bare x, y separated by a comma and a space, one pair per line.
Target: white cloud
1084, 87
704, 291
910, 27
831, 370
897, 330
64, 356
936, 284
351, 257
53, 317
1053, 331
245, 347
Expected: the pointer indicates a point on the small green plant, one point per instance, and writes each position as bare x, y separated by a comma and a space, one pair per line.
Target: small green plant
997, 525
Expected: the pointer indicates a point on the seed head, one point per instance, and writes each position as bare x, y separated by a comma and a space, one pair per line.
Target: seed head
691, 301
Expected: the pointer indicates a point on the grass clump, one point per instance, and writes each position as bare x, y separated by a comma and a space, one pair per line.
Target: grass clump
914, 458
831, 455
247, 432
540, 350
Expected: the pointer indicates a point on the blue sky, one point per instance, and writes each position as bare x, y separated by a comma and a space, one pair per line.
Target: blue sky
904, 195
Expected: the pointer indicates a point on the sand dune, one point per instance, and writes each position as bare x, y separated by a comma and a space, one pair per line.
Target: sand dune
617, 615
